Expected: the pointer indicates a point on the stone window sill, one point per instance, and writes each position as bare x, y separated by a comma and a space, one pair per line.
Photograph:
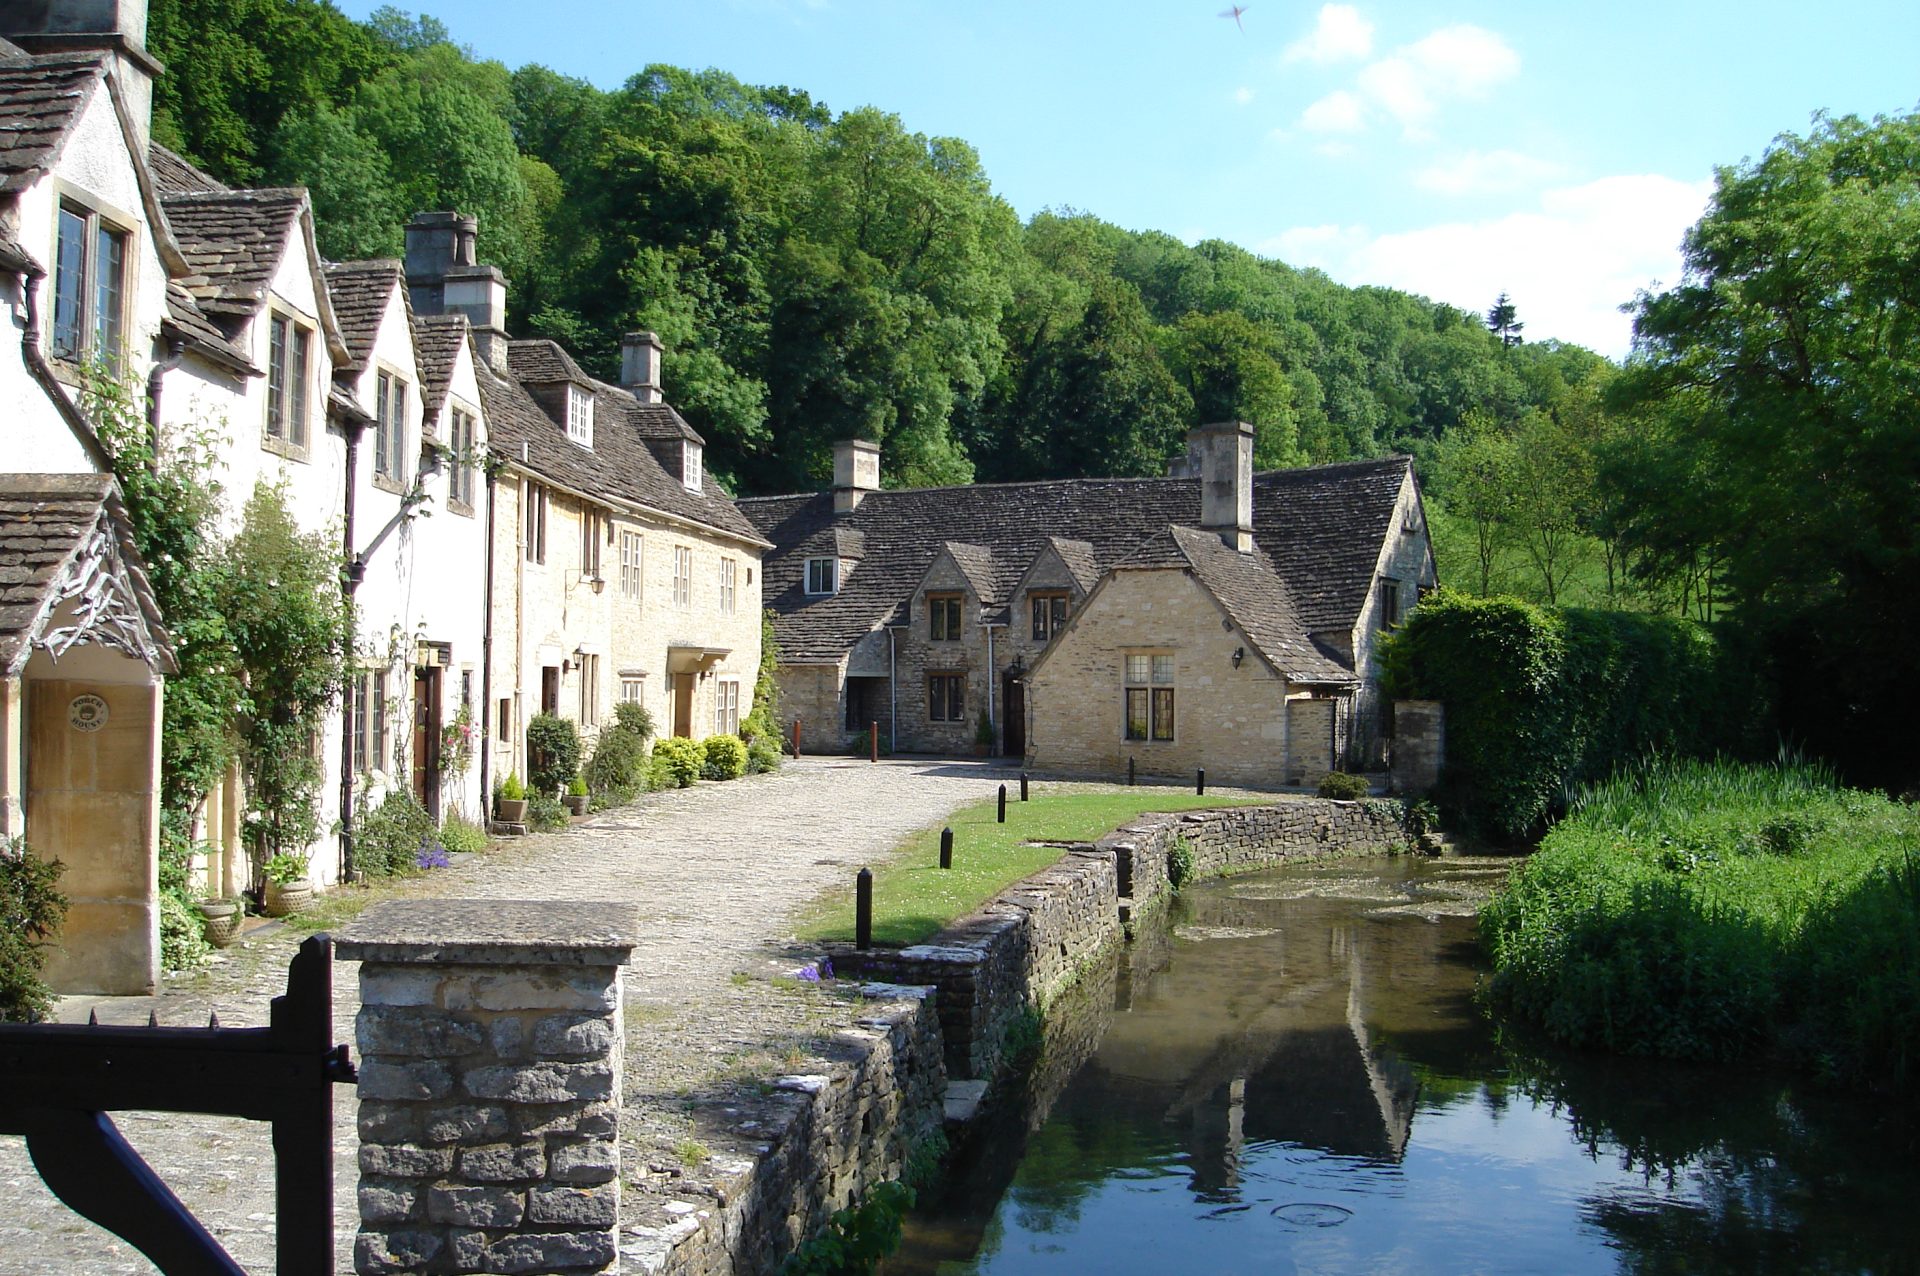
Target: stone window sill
283, 447
461, 508
387, 483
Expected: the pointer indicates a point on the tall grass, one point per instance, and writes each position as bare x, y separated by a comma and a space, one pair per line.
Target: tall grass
1714, 911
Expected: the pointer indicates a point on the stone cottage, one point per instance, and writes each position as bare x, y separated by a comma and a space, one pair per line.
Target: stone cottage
1029, 606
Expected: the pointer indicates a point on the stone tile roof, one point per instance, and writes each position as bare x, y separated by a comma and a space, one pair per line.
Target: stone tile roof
1321, 529
620, 467
359, 291
40, 99
15, 259
232, 241
436, 348
67, 535
174, 175
1079, 560
188, 322
983, 572
1257, 599
541, 362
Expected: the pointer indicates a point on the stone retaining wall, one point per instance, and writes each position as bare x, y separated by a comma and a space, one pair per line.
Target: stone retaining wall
1245, 839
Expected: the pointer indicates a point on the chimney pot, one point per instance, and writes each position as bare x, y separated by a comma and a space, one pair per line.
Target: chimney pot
114, 27
443, 278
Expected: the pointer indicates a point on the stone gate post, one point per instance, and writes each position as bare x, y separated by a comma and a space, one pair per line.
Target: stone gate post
490, 1043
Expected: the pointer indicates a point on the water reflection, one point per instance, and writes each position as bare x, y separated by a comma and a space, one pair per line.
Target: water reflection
1299, 1080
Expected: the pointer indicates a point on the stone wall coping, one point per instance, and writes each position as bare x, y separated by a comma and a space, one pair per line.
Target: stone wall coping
493, 933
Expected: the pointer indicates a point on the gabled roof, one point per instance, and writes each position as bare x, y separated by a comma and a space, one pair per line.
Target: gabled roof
41, 97
977, 565
436, 349
360, 292
1320, 527
1077, 557
233, 240
1255, 597
66, 537
619, 468
185, 320
542, 362
174, 175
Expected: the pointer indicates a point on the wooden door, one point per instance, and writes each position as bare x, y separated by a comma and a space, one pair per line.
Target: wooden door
683, 704
426, 738
1013, 716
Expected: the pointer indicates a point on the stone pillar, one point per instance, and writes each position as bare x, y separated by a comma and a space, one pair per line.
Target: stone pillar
490, 1045
1419, 746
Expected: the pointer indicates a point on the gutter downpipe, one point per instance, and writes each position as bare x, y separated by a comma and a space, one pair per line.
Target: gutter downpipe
176, 350
352, 569
38, 367
486, 666
993, 721
893, 694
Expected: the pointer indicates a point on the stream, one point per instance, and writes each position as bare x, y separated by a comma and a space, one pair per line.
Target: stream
1288, 1073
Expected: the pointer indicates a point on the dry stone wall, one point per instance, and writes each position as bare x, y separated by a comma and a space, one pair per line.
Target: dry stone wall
1245, 839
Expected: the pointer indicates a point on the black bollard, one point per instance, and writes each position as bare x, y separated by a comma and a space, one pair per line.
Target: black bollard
1129, 772
1200, 782
946, 848
863, 910
1023, 786
1003, 804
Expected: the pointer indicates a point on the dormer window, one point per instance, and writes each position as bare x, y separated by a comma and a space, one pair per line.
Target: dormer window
823, 575
580, 415
690, 467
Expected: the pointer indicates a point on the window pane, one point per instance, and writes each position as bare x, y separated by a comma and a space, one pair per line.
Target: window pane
1137, 667
276, 378
1136, 713
1163, 669
109, 279
1163, 713
382, 463
1059, 614
1039, 619
69, 283
301, 341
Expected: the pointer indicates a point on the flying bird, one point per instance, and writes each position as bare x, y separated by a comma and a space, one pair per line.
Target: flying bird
1235, 13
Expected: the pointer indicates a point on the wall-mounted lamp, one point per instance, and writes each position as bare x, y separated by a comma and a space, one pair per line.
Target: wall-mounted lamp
1239, 654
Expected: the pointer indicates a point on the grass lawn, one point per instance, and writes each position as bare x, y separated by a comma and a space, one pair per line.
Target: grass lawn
913, 898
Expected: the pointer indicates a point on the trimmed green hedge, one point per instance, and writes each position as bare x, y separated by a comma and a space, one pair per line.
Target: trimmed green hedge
1540, 701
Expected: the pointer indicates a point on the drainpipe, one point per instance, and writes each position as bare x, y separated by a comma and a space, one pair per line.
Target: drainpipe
42, 373
175, 350
486, 664
352, 570
893, 693
992, 721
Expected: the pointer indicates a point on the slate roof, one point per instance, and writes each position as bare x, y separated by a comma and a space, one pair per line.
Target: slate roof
188, 322
16, 259
232, 241
539, 362
1320, 528
1079, 560
46, 522
1257, 599
173, 175
619, 467
40, 99
359, 290
982, 571
436, 348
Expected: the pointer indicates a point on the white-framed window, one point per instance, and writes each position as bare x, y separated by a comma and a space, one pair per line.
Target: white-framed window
390, 428
589, 691
682, 576
89, 286
823, 575
1148, 695
580, 415
592, 536
534, 523
690, 465
369, 720
461, 433
289, 371
633, 690
726, 707
631, 578
728, 574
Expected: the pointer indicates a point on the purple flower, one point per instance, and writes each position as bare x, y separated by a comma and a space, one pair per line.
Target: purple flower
431, 855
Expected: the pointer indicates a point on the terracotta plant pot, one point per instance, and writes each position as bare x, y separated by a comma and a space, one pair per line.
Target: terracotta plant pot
290, 898
223, 921
511, 810
577, 802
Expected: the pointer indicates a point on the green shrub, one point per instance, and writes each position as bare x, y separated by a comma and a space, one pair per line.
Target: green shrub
763, 755
545, 814
1343, 787
677, 762
31, 912
285, 868
617, 769
577, 787
630, 718
1179, 862
855, 1240
553, 754
183, 935
723, 757
512, 789
1658, 918
387, 838
1540, 702
461, 835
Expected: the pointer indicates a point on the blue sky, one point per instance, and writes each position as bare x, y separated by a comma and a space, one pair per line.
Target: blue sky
1554, 151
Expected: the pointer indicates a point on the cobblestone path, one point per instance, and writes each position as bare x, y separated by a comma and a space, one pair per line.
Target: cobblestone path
718, 872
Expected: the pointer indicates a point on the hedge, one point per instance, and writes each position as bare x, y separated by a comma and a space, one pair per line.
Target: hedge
1540, 700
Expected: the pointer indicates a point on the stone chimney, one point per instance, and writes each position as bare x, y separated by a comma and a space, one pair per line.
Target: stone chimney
856, 471
1221, 455
640, 366
443, 278
114, 27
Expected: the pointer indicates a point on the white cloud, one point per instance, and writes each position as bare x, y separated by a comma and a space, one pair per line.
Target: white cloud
1569, 263
1410, 84
1243, 95
1337, 112
1486, 172
1340, 35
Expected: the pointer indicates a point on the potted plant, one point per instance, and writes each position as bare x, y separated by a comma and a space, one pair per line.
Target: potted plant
511, 806
222, 921
983, 736
576, 798
288, 887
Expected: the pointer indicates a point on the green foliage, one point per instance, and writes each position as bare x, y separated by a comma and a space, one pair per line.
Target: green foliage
32, 910
553, 754
1541, 701
983, 730
764, 755
387, 838
1662, 917
1343, 787
633, 719
183, 935
1179, 862
761, 727
545, 814
285, 869
1022, 1037
461, 835
576, 787
617, 769
722, 757
855, 1240
676, 763
512, 789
